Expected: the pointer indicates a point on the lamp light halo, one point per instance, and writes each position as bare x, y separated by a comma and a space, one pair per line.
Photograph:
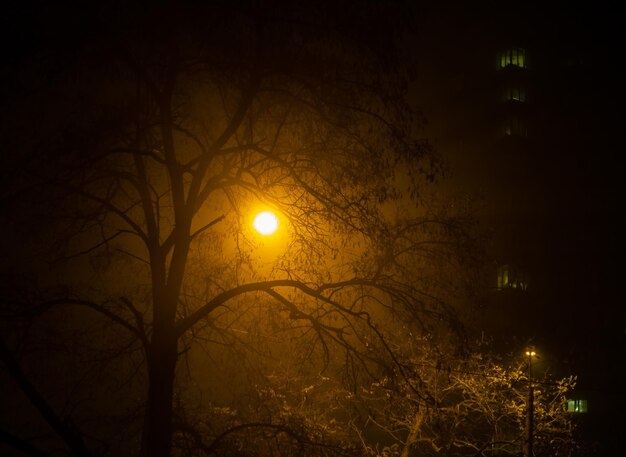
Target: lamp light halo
265, 222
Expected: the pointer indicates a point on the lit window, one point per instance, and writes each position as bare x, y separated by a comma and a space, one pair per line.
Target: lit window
515, 57
577, 406
510, 277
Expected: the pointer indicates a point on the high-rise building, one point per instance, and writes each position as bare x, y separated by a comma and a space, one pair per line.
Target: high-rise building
526, 102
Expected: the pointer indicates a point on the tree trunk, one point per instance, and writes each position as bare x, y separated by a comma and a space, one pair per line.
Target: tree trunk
162, 354
157, 431
415, 428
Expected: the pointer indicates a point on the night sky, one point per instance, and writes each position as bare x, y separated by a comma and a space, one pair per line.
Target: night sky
561, 191
567, 193
573, 179
558, 207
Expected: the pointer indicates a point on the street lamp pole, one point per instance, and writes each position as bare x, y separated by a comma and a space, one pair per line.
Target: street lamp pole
528, 441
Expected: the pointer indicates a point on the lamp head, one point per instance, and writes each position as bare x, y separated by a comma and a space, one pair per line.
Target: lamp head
266, 223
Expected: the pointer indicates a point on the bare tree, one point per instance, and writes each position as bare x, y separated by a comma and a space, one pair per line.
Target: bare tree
474, 407
173, 132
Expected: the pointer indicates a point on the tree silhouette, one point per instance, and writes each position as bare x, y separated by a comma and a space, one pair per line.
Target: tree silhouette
147, 156
470, 406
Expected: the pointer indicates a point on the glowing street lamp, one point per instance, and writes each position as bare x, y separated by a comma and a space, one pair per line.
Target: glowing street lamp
528, 442
265, 223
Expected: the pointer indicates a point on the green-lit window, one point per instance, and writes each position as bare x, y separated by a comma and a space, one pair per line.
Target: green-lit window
510, 277
577, 406
515, 57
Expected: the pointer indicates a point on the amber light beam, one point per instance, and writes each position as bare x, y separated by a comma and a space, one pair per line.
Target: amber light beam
265, 223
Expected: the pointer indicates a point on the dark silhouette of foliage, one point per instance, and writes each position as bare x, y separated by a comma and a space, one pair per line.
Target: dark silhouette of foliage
165, 325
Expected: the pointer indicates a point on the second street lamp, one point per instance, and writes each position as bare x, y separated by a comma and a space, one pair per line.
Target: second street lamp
528, 441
